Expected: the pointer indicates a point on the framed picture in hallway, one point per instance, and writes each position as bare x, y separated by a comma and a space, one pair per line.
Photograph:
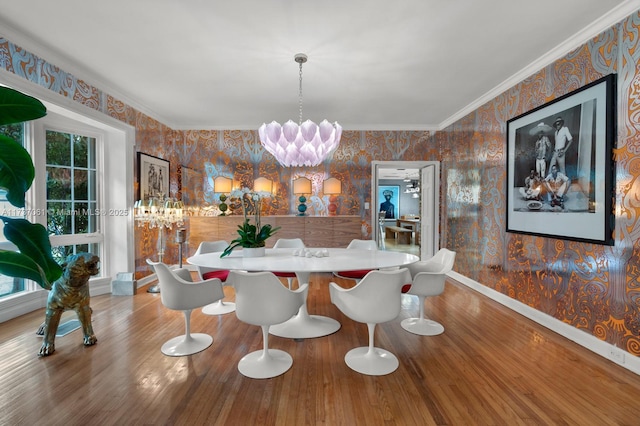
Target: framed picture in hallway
389, 196
560, 168
153, 177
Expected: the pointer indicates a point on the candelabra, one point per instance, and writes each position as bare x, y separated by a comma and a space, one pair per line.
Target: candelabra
159, 213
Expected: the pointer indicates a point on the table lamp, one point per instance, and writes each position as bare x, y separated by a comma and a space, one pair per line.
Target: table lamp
332, 187
302, 186
222, 185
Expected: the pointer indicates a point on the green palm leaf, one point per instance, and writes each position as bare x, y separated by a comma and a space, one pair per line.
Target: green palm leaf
16, 170
16, 107
32, 240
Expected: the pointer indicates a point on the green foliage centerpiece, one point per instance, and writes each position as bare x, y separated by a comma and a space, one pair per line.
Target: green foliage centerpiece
250, 235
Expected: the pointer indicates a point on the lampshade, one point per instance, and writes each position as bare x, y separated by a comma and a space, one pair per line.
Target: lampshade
222, 184
332, 186
263, 185
302, 144
301, 185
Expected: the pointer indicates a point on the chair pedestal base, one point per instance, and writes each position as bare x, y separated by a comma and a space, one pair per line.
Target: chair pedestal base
421, 326
187, 345
305, 326
257, 365
375, 362
219, 308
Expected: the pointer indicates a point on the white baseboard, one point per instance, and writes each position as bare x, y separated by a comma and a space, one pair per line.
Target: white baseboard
22, 303
588, 341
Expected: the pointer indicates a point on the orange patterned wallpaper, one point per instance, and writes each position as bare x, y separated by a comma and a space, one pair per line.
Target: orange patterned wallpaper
593, 288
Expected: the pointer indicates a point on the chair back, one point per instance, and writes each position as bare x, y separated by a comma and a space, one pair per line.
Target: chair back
209, 247
429, 276
441, 262
261, 299
289, 243
445, 257
183, 273
180, 294
363, 245
375, 299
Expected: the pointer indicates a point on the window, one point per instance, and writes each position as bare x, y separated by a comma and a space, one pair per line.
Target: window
71, 188
65, 199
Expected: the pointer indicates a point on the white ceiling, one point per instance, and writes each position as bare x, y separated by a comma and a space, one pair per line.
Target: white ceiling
373, 64
396, 174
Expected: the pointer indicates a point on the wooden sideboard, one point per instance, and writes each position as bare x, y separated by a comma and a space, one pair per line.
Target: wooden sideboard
315, 231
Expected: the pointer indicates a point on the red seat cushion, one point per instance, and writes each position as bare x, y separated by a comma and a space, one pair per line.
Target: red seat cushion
355, 274
406, 288
285, 274
222, 274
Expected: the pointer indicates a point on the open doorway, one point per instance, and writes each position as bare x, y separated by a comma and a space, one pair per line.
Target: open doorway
405, 206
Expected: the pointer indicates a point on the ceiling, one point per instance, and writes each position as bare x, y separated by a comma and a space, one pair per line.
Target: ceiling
396, 174
373, 64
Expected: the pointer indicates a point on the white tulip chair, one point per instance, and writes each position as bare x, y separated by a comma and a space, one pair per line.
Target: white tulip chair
428, 278
180, 293
357, 274
220, 307
292, 243
375, 299
262, 300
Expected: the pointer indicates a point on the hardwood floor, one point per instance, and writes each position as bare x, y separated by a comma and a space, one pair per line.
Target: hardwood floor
490, 367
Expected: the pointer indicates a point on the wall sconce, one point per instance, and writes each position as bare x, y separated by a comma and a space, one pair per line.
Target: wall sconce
263, 185
222, 185
332, 187
302, 186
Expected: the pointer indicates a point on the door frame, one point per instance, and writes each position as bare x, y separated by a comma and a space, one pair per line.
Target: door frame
429, 211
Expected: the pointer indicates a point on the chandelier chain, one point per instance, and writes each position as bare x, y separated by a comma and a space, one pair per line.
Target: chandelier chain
300, 96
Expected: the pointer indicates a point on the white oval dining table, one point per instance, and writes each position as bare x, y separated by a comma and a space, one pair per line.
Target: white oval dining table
303, 325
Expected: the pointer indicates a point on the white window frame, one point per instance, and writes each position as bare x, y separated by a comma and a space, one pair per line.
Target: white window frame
58, 123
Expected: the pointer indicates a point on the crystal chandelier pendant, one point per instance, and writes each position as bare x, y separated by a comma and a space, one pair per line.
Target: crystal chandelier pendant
303, 144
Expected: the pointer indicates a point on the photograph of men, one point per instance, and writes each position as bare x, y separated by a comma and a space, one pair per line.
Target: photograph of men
563, 140
556, 184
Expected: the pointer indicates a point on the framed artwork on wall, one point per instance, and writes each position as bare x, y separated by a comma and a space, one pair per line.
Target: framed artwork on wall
153, 177
389, 197
560, 166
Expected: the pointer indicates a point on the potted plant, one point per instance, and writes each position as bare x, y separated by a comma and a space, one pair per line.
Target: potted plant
34, 259
250, 236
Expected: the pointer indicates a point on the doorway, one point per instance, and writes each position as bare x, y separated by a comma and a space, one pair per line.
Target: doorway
406, 175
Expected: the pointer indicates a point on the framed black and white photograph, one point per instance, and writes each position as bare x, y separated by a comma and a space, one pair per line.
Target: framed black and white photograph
389, 197
560, 166
153, 177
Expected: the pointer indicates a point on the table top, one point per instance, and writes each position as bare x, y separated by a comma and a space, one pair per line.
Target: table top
284, 260
408, 220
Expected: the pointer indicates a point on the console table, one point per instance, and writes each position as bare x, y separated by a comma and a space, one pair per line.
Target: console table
315, 231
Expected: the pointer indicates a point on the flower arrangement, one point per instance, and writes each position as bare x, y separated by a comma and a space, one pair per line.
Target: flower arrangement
250, 235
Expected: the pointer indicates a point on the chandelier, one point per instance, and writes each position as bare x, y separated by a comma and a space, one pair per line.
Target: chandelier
302, 144
160, 213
